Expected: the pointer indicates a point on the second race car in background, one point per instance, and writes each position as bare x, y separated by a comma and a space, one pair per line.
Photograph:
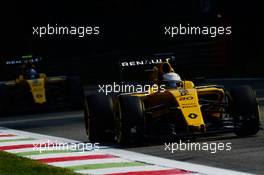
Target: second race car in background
33, 91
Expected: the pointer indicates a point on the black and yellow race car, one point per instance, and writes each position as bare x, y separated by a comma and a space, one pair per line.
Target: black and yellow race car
32, 91
187, 109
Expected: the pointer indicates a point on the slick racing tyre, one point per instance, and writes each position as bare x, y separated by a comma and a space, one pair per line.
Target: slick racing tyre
99, 118
131, 120
75, 92
245, 110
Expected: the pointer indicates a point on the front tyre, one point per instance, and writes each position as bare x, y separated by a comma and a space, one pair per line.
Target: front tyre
131, 120
245, 110
99, 118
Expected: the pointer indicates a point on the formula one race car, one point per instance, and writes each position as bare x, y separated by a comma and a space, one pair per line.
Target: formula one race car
32, 91
179, 110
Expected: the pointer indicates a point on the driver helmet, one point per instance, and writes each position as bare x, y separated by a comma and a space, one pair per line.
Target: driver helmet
32, 73
171, 79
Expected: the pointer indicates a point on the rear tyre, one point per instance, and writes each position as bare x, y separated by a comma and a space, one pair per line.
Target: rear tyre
131, 120
99, 118
245, 110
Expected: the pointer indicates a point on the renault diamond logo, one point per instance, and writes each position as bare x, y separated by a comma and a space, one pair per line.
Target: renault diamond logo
192, 116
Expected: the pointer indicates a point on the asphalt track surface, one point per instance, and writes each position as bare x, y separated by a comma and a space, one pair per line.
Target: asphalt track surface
246, 155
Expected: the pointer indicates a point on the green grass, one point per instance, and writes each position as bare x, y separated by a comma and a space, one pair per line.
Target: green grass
14, 165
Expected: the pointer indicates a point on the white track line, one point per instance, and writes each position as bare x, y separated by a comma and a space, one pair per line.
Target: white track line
174, 163
72, 154
14, 138
128, 155
88, 162
26, 150
35, 142
34, 135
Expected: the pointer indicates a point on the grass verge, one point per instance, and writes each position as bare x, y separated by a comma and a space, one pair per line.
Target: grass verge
14, 165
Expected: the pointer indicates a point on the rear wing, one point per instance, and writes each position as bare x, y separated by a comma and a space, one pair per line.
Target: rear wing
139, 69
23, 60
13, 67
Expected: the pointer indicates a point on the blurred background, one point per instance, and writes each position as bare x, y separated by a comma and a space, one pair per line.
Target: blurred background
134, 29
